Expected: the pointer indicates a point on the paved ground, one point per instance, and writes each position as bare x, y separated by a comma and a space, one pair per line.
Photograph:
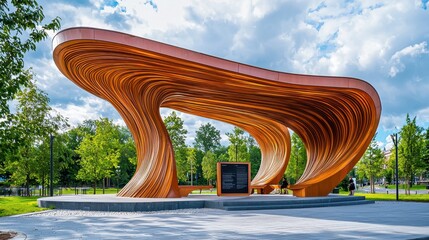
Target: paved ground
382, 220
381, 189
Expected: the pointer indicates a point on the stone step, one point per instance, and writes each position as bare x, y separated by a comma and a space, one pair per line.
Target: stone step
288, 205
118, 204
293, 201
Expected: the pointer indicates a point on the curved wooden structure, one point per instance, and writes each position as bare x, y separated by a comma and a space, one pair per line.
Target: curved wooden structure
335, 117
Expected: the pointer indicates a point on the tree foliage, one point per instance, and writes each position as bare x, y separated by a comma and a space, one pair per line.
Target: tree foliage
31, 126
411, 151
191, 163
237, 150
21, 27
177, 133
426, 150
298, 159
62, 157
128, 156
99, 153
371, 164
254, 156
207, 138
209, 166
70, 159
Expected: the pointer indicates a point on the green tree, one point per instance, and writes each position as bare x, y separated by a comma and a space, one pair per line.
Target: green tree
192, 163
99, 153
7, 144
61, 158
370, 166
31, 125
411, 151
128, 158
21, 28
222, 154
391, 167
199, 159
207, 138
209, 167
70, 159
426, 152
237, 150
298, 159
254, 156
177, 133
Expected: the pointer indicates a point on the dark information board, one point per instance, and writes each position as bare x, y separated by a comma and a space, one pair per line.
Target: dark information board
233, 178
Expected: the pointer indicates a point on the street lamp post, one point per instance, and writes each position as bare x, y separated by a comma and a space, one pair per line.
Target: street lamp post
51, 175
118, 171
191, 175
395, 141
236, 152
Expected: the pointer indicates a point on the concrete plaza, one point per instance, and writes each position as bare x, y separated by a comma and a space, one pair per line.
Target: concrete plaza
382, 220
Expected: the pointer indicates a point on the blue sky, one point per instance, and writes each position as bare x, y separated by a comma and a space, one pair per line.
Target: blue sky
382, 42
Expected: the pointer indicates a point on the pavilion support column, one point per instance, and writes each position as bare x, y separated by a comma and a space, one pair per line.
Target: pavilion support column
155, 175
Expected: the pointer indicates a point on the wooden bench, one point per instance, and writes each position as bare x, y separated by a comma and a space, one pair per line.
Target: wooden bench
276, 187
185, 190
259, 189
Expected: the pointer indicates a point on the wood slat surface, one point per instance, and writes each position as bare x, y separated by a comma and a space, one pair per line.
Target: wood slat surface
336, 117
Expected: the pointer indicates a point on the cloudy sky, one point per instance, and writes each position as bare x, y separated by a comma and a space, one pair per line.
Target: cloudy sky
382, 42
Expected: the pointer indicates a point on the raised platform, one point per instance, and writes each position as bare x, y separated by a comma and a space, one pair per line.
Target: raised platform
113, 203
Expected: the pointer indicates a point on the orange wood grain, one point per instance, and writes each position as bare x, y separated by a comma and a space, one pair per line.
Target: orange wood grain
336, 117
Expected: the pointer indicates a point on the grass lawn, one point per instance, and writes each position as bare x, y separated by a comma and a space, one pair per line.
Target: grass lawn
205, 191
392, 197
402, 186
18, 205
69, 191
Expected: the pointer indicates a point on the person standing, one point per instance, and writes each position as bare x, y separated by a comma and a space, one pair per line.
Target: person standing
284, 186
351, 187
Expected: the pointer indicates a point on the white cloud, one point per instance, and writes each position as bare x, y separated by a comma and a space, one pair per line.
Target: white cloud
410, 51
366, 34
119, 122
392, 123
380, 144
145, 20
77, 15
423, 115
380, 41
47, 73
389, 143
91, 108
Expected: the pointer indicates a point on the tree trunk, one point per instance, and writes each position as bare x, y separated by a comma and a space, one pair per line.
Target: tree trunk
27, 185
43, 185
104, 184
95, 186
407, 187
371, 184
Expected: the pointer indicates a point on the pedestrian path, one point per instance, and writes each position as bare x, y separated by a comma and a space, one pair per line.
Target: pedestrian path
382, 220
